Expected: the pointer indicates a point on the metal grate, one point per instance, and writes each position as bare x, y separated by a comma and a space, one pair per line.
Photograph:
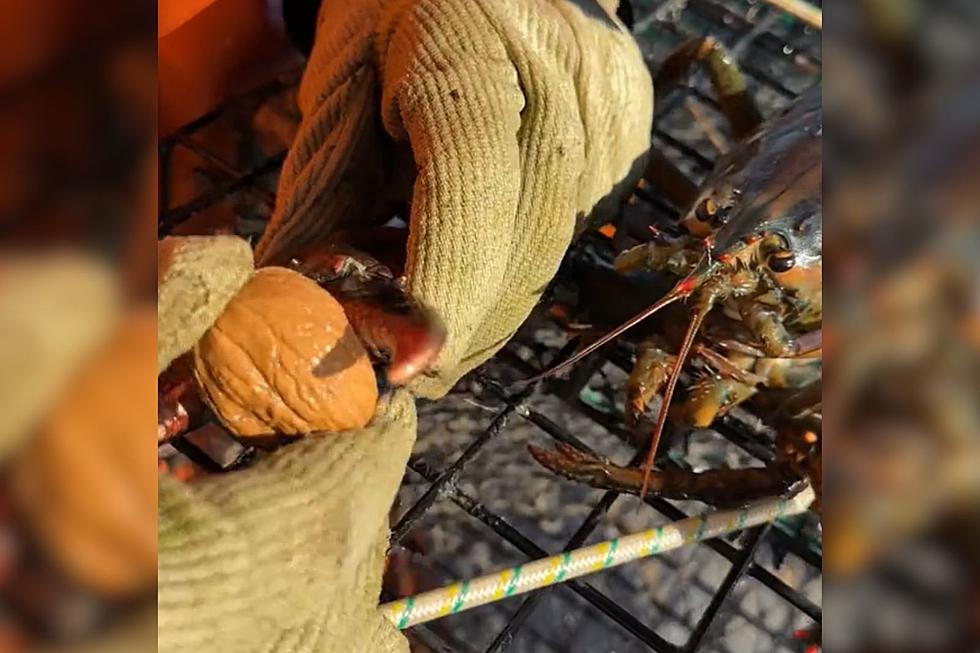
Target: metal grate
782, 59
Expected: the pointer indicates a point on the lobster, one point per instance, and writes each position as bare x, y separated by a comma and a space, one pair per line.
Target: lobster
747, 253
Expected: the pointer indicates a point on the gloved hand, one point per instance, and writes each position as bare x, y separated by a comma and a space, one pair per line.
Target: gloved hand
286, 555
522, 117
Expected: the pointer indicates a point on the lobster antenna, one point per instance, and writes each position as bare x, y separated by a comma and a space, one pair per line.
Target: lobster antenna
681, 290
675, 374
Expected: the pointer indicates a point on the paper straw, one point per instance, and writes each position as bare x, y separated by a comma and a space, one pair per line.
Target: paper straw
581, 562
804, 11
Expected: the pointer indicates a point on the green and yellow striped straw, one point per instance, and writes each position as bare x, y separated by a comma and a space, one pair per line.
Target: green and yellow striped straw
580, 562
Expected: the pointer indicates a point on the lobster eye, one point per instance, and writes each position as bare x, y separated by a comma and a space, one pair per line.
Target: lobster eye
706, 210
782, 261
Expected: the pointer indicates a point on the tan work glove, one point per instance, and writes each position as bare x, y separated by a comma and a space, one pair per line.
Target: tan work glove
287, 555
521, 115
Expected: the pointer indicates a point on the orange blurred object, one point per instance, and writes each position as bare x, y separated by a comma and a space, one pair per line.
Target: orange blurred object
171, 14
88, 482
209, 50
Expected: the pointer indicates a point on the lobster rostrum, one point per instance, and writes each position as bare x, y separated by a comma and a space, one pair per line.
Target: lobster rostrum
751, 246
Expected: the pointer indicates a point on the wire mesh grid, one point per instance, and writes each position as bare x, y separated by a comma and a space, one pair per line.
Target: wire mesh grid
472, 501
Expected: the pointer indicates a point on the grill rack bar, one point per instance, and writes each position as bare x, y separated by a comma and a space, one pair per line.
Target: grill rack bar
741, 558
583, 588
669, 510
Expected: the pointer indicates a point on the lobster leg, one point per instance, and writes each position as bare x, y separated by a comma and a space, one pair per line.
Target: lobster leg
731, 383
767, 325
733, 97
647, 379
738, 381
172, 418
719, 487
711, 397
673, 256
788, 373
726, 79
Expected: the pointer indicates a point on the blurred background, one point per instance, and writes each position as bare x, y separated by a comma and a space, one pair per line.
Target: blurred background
81, 113
902, 386
78, 112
